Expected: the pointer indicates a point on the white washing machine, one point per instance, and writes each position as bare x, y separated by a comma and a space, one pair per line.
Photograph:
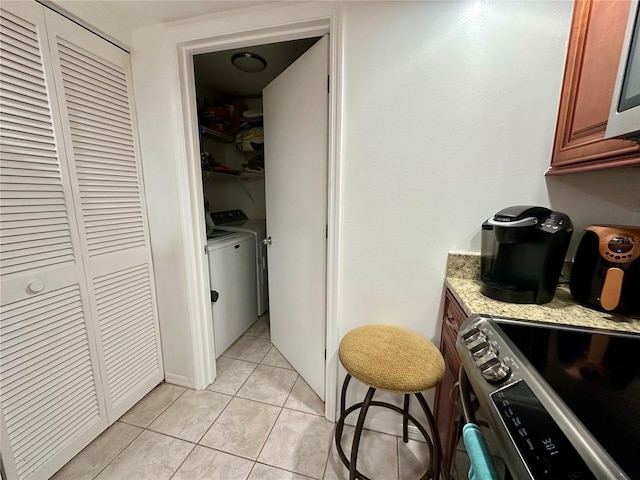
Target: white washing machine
237, 221
232, 274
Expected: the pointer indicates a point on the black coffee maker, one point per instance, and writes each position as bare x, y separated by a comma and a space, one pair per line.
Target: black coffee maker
523, 250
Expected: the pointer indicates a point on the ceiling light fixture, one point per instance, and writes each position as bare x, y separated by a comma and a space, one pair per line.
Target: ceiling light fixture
249, 62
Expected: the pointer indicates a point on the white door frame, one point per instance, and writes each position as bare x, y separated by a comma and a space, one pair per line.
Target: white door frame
200, 318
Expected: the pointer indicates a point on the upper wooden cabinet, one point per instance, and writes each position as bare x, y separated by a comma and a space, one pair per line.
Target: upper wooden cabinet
595, 44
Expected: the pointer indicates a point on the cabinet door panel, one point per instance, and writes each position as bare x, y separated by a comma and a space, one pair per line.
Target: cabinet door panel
51, 399
96, 103
595, 44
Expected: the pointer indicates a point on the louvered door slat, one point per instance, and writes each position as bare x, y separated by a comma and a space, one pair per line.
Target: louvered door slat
71, 427
118, 311
64, 386
10, 247
56, 340
74, 74
18, 332
23, 129
36, 394
28, 152
98, 123
16, 377
40, 369
93, 130
7, 103
16, 114
119, 349
54, 418
102, 169
23, 233
116, 325
15, 79
82, 96
50, 396
141, 364
124, 325
96, 68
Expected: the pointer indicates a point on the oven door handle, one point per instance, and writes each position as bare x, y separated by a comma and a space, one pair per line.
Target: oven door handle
465, 397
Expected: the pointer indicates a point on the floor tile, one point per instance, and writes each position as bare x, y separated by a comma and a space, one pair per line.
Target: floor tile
206, 464
151, 455
377, 456
249, 349
413, 459
275, 359
260, 328
269, 384
299, 442
304, 399
242, 428
97, 455
191, 415
230, 375
151, 406
265, 472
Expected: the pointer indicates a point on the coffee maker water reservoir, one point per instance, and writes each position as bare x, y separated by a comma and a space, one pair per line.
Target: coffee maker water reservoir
523, 251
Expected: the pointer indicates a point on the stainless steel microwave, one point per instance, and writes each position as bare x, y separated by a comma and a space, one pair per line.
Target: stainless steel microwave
624, 116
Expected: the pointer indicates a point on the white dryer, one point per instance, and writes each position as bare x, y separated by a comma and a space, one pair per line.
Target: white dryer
232, 274
237, 221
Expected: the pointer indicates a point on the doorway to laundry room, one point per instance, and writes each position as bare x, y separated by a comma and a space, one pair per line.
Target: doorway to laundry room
262, 113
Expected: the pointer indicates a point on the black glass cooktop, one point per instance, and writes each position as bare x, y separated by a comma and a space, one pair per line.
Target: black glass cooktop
597, 375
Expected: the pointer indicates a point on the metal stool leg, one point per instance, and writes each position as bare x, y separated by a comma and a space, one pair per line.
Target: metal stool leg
358, 433
405, 419
437, 454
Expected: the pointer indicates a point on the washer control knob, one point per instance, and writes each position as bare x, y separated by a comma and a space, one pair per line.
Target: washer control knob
493, 370
481, 349
472, 335
36, 286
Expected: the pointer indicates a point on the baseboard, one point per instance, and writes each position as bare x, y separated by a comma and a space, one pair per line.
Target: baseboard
179, 380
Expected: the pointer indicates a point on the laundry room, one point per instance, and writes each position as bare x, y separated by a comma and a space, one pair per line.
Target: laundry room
238, 209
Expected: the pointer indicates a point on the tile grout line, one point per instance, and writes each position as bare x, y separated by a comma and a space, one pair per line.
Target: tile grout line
144, 429
215, 419
116, 455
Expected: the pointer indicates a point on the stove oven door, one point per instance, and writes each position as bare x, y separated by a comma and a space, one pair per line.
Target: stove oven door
473, 412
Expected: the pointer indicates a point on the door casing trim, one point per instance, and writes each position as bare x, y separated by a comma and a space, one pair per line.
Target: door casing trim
320, 19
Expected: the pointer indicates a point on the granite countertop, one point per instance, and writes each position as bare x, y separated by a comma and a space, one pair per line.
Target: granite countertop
463, 280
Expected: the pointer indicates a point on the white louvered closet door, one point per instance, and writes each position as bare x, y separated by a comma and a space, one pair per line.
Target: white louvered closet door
51, 399
95, 92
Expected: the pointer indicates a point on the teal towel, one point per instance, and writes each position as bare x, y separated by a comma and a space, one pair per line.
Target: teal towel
481, 464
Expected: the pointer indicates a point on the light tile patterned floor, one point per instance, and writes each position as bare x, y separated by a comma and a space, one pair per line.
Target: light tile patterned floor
258, 421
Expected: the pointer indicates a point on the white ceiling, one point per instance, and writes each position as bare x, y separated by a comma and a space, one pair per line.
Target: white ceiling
216, 72
132, 14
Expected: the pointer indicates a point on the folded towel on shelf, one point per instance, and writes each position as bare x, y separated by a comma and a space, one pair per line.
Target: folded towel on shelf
250, 140
481, 463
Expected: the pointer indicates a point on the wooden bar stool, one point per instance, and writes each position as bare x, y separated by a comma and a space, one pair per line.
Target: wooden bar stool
392, 359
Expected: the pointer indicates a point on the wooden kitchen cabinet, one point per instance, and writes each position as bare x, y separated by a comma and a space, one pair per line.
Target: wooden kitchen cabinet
447, 410
595, 44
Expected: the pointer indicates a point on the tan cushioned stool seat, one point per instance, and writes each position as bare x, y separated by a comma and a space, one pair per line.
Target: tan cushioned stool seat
391, 358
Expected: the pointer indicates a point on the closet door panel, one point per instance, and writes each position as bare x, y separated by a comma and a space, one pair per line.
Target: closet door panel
94, 86
51, 398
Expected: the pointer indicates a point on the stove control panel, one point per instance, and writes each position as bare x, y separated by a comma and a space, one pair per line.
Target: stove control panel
485, 354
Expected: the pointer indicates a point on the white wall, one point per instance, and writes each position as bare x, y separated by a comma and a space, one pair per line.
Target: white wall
449, 115
450, 111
